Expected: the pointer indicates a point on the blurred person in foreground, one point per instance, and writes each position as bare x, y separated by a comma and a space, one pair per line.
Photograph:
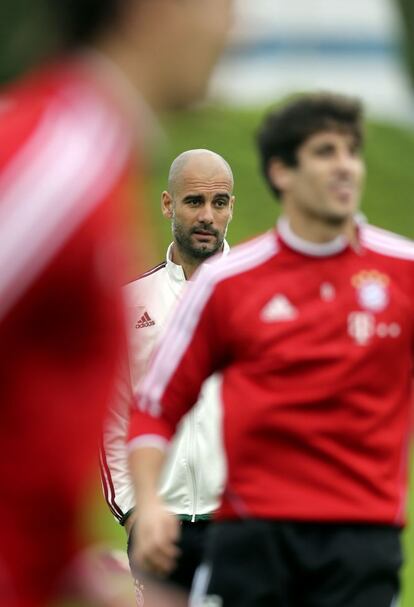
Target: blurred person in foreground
199, 205
72, 135
312, 328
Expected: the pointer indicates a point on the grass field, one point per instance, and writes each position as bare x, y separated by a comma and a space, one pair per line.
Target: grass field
388, 202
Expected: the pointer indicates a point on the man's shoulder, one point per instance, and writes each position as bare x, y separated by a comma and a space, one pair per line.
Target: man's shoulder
147, 283
62, 100
386, 243
22, 108
149, 276
25, 102
53, 119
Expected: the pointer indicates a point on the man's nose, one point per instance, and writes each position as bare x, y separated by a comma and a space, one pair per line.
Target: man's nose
345, 163
205, 214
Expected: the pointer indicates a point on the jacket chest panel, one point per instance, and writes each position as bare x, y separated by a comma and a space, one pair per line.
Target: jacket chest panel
149, 305
323, 311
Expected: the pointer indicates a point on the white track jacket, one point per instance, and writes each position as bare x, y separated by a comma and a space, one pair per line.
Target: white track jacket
193, 478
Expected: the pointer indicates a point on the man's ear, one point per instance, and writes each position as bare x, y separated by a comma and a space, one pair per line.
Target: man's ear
279, 174
167, 205
232, 201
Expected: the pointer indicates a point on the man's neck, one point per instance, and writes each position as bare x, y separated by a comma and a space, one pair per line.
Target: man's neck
133, 73
315, 230
188, 263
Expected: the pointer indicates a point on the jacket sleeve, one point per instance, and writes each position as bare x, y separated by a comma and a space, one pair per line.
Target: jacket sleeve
116, 480
193, 348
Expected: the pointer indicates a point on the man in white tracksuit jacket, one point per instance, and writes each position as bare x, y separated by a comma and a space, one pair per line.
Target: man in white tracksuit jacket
199, 204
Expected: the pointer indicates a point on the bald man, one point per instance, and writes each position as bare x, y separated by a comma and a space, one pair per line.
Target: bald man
199, 204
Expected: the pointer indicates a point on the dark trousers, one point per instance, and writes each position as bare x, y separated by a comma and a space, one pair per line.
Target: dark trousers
260, 563
192, 545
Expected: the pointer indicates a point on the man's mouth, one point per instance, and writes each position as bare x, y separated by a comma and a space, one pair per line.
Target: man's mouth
344, 191
204, 234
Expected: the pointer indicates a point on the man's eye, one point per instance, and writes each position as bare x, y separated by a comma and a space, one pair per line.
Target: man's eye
355, 150
326, 151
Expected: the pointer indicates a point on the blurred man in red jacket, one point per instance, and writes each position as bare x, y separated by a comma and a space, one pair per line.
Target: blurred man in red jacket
70, 137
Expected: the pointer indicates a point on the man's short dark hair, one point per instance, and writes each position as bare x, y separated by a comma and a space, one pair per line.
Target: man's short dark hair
286, 128
80, 21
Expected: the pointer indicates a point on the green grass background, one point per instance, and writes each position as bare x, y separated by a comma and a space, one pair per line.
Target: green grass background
388, 201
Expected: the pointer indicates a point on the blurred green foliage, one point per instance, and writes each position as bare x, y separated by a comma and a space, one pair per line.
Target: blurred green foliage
26, 35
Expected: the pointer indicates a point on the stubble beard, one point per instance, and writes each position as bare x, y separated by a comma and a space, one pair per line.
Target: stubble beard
183, 240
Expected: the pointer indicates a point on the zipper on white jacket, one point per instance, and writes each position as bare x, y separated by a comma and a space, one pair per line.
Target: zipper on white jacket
192, 444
